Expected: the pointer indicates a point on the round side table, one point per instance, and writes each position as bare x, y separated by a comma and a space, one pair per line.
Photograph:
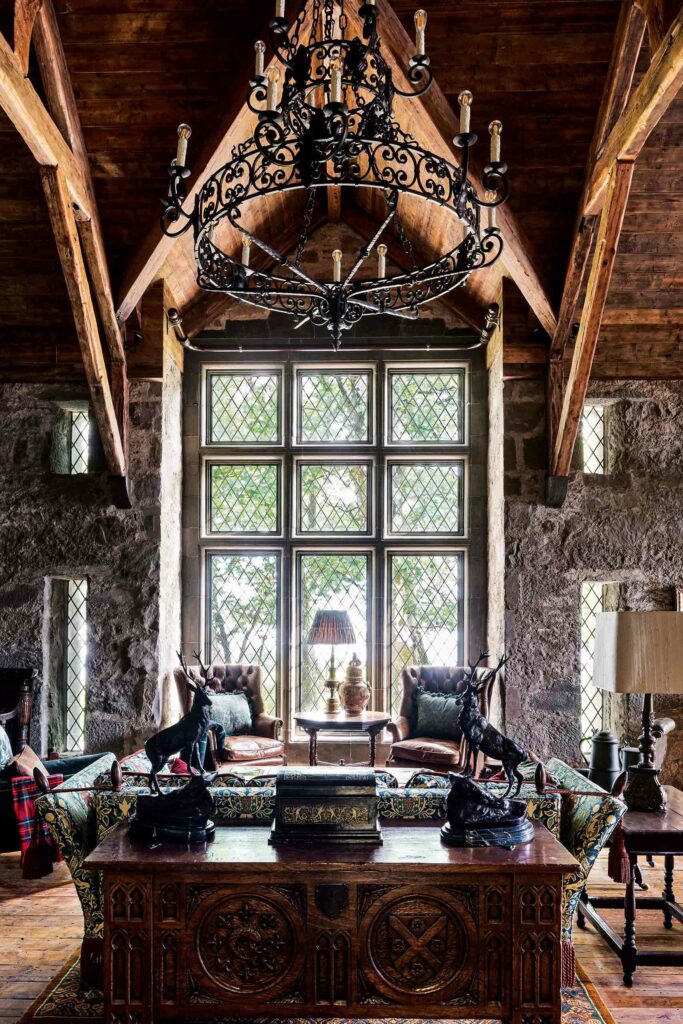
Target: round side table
313, 722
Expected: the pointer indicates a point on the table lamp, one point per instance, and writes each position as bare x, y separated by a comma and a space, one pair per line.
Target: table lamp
332, 627
640, 652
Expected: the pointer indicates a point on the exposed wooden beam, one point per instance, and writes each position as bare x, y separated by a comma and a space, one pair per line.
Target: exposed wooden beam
657, 89
606, 243
658, 14
62, 104
146, 265
25, 12
434, 123
628, 39
68, 246
26, 111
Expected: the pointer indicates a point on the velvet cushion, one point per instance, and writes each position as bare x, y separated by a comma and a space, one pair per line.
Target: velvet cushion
437, 715
232, 711
5, 749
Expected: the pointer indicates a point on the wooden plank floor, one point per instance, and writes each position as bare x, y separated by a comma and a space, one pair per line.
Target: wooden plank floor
41, 925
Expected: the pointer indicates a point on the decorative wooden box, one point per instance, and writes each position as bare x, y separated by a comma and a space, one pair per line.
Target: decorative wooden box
326, 805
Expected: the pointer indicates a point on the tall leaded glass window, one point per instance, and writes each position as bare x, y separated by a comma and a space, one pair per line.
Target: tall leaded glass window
79, 439
593, 438
75, 663
592, 602
334, 485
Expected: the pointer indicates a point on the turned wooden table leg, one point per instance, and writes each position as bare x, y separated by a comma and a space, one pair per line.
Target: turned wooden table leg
668, 892
312, 747
630, 950
373, 746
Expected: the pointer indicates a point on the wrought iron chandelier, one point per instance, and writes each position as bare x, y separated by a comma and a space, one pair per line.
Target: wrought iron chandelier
333, 124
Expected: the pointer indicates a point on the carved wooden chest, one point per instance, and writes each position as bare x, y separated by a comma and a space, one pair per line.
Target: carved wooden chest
409, 929
326, 805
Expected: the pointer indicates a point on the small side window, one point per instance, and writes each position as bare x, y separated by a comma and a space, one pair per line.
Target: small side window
593, 438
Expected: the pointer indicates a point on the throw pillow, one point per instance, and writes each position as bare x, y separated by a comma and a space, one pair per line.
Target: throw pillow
24, 762
5, 749
232, 711
438, 715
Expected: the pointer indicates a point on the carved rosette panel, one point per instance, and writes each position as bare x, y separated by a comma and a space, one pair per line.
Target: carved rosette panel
247, 942
422, 943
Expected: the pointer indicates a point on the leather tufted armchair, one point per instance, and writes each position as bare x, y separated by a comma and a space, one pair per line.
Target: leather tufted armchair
262, 746
413, 751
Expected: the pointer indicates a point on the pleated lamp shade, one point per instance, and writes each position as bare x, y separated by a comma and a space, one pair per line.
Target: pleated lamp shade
639, 652
331, 627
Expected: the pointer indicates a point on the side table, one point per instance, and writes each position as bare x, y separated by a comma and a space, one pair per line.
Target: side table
645, 834
313, 722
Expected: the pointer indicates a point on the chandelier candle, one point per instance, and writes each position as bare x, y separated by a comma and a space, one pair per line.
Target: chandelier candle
336, 81
381, 261
184, 132
420, 26
465, 101
260, 48
246, 250
353, 139
273, 79
495, 129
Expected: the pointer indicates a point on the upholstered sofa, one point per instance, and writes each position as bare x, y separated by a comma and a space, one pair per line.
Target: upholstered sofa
79, 821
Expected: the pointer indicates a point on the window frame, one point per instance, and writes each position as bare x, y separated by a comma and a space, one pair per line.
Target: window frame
207, 461
325, 460
291, 542
426, 460
236, 369
425, 366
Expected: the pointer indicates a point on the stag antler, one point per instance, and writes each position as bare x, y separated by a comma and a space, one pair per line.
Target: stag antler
202, 668
491, 675
183, 664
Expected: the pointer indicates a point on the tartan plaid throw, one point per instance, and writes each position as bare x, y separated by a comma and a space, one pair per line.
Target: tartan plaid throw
24, 795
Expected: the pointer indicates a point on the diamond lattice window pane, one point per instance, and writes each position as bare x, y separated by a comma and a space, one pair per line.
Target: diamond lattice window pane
427, 407
333, 498
244, 497
76, 651
79, 440
244, 407
426, 498
591, 697
330, 581
244, 609
333, 407
425, 624
593, 438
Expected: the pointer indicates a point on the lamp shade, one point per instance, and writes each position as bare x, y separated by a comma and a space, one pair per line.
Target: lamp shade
639, 652
332, 627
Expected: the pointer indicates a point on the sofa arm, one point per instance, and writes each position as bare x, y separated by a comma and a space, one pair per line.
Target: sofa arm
399, 730
267, 725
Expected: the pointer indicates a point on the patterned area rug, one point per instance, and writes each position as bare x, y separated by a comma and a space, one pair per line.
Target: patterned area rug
64, 1000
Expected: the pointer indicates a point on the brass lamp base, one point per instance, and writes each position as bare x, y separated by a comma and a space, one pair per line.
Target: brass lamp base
332, 704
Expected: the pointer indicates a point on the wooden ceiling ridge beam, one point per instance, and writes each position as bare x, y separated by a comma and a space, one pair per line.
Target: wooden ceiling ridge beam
28, 114
628, 40
148, 261
25, 13
647, 104
611, 220
435, 124
61, 101
66, 234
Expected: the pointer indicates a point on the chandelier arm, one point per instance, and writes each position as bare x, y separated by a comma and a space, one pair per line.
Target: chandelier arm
283, 261
367, 249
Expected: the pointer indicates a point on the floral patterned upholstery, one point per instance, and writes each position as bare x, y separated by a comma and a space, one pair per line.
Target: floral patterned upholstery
71, 824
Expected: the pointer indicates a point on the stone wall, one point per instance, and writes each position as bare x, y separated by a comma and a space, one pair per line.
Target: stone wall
623, 527
55, 526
